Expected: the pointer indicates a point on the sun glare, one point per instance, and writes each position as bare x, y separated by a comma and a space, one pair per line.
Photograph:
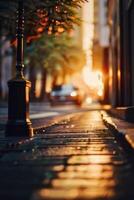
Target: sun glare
94, 79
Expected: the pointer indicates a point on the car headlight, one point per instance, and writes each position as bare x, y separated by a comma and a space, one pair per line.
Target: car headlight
73, 94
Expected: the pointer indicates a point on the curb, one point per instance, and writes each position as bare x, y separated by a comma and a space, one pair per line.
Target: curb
123, 131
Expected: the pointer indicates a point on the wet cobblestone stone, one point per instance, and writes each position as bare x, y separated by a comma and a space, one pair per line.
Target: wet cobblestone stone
77, 158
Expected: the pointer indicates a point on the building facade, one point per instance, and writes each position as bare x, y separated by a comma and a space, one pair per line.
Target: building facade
121, 48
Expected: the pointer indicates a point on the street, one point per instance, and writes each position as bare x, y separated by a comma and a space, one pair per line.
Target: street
75, 157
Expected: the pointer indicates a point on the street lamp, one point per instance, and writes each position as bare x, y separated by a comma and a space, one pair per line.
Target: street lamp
19, 123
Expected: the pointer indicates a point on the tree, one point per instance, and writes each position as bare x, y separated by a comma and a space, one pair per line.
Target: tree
41, 16
56, 55
49, 16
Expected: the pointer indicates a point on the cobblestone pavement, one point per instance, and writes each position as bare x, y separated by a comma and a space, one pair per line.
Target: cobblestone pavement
77, 158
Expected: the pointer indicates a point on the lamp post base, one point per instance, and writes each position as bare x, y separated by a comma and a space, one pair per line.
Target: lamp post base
19, 129
18, 124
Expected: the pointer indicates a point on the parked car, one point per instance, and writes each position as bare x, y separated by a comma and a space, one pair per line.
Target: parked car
62, 94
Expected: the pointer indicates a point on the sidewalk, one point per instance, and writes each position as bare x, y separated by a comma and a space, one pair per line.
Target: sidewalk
75, 158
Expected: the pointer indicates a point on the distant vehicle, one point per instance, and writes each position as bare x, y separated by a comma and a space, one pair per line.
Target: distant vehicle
62, 94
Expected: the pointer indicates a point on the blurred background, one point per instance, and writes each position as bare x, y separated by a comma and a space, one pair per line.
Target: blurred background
81, 65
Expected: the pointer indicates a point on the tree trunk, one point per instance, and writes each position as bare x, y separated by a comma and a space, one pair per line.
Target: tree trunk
32, 78
43, 85
54, 80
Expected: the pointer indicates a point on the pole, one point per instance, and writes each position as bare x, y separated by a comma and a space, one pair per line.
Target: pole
19, 123
20, 40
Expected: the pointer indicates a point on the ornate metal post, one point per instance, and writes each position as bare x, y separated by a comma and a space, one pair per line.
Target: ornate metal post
19, 123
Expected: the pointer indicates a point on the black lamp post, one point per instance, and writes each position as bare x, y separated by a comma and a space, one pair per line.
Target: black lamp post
19, 123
